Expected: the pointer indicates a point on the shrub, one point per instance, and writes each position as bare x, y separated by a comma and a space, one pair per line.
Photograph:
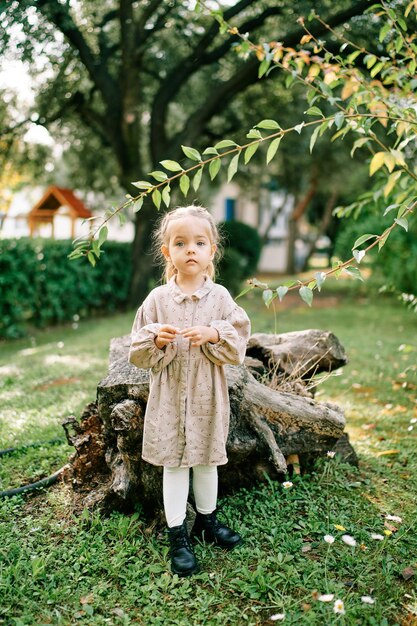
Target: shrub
242, 250
40, 286
396, 261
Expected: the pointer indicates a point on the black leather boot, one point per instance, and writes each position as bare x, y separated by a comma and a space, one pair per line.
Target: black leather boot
209, 528
183, 561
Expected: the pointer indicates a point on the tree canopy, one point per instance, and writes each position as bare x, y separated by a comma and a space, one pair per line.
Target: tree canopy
130, 82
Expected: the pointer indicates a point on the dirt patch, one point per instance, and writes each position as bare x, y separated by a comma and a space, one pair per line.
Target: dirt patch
56, 383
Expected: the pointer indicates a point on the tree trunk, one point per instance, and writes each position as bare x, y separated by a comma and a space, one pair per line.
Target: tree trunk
267, 427
143, 266
323, 226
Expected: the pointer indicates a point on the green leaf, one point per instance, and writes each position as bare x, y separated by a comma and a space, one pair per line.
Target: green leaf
269, 124
324, 126
306, 294
166, 195
250, 151
264, 67
281, 291
142, 184
391, 207
402, 23
299, 127
362, 240
172, 166
354, 271
156, 198
197, 179
383, 239
210, 150
254, 134
191, 153
358, 144
401, 221
359, 254
353, 56
95, 248
314, 111
214, 168
159, 176
267, 296
273, 148
225, 143
244, 291
339, 118
137, 205
314, 138
402, 209
184, 184
370, 60
75, 254
377, 161
232, 169
384, 31
377, 68
320, 278
91, 258
399, 44
102, 235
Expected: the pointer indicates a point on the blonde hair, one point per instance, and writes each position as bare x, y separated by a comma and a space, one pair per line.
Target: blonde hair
161, 237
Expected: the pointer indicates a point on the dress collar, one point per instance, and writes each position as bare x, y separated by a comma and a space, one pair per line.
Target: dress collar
179, 296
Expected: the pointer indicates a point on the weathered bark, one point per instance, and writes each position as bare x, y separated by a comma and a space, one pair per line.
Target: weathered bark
267, 426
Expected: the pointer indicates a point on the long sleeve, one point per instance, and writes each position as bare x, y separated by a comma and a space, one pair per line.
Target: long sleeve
234, 332
143, 351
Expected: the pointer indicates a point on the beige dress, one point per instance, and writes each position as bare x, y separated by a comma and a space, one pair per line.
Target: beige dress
187, 414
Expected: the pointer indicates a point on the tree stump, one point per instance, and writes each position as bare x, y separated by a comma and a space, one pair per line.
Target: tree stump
268, 426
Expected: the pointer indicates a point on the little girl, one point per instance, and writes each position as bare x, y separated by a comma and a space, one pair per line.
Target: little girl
185, 332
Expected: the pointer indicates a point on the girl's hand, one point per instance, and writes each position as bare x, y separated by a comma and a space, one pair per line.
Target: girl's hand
199, 335
165, 336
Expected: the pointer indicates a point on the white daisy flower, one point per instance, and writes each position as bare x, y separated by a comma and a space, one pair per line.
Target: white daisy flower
277, 617
339, 607
367, 600
348, 540
331, 454
413, 420
377, 536
326, 597
394, 518
328, 538
287, 485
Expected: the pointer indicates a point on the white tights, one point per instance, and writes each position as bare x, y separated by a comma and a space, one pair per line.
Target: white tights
176, 481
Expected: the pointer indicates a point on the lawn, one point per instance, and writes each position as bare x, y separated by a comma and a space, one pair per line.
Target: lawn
59, 569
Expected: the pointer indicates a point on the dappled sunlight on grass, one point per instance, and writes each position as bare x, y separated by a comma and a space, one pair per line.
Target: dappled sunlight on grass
72, 361
10, 370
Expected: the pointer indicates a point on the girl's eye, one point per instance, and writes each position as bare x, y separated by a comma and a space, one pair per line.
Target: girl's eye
201, 243
179, 243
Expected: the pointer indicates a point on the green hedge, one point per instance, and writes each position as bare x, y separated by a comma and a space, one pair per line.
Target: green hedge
39, 286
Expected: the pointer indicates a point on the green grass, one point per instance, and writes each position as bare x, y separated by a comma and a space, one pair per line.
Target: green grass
59, 569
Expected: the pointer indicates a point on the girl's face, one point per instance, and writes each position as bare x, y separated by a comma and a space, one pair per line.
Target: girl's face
190, 247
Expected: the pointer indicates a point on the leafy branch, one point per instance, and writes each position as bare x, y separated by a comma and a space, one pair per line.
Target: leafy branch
306, 288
